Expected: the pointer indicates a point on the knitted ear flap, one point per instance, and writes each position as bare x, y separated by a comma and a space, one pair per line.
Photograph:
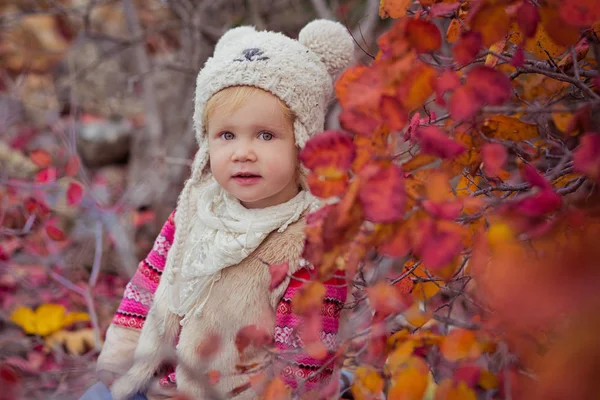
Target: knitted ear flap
331, 42
233, 35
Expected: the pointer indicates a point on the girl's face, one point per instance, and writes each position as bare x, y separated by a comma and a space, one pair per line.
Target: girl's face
252, 151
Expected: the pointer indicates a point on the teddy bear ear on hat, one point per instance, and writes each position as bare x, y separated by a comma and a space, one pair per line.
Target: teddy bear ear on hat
331, 41
233, 35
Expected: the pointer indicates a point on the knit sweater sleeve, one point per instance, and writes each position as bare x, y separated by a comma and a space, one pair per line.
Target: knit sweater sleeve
124, 331
300, 368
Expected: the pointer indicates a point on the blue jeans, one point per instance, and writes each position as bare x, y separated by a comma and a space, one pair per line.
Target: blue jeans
100, 392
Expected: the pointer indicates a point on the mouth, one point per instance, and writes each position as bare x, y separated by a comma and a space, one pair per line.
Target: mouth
246, 178
246, 175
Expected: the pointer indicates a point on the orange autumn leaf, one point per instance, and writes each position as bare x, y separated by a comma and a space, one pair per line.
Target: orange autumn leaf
460, 344
453, 32
348, 76
491, 21
418, 161
559, 30
509, 128
448, 390
494, 156
393, 8
423, 35
370, 147
41, 158
417, 87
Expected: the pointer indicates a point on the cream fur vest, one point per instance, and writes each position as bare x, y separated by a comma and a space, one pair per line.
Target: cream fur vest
240, 298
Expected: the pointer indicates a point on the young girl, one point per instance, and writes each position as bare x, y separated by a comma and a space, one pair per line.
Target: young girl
258, 100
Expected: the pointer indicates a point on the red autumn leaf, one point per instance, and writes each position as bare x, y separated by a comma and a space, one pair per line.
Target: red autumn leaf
436, 142
41, 158
447, 81
74, 193
209, 347
560, 31
494, 156
251, 335
393, 43
72, 166
382, 196
527, 18
518, 59
467, 47
539, 204
34, 206
586, 158
393, 114
468, 373
437, 244
443, 9
423, 35
491, 85
55, 233
328, 150
464, 103
581, 13
398, 245
358, 122
386, 299
278, 273
47, 175
533, 177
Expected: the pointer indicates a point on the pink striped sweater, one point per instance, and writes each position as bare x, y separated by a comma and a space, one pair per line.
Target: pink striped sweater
140, 290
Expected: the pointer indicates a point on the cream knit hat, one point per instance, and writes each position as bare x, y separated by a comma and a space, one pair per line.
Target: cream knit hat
299, 72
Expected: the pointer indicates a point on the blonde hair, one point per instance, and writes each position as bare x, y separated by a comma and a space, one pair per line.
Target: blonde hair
229, 99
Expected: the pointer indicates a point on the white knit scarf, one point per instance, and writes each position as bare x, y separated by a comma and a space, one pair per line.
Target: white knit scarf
222, 234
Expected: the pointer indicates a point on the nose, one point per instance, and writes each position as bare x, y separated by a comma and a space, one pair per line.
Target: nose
243, 152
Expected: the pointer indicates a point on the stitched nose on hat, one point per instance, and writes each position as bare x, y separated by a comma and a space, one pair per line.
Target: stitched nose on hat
252, 54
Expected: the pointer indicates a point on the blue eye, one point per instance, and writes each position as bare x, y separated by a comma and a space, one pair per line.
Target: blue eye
266, 136
227, 135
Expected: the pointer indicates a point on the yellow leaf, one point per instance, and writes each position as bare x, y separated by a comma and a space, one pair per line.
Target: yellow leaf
400, 356
563, 121
277, 390
447, 391
25, 318
49, 318
487, 380
393, 8
509, 128
416, 317
73, 317
368, 384
75, 342
498, 47
409, 384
